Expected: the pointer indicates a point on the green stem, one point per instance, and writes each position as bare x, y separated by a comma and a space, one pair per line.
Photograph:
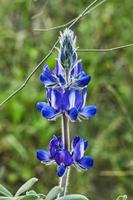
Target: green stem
66, 143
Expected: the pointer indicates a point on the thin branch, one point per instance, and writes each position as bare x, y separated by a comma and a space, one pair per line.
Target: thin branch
68, 23
87, 9
45, 58
105, 50
30, 75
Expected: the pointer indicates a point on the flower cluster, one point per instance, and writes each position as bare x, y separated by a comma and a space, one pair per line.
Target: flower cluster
66, 90
66, 84
63, 158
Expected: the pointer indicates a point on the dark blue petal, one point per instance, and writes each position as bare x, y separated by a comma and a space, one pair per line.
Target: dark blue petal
59, 70
62, 80
43, 155
61, 170
85, 145
74, 56
76, 70
47, 77
83, 81
75, 140
72, 98
48, 112
56, 99
83, 97
78, 101
41, 105
78, 139
63, 157
73, 114
86, 162
48, 92
78, 152
55, 145
62, 56
65, 100
88, 111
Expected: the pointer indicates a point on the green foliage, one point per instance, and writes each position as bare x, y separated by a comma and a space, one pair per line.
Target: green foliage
53, 193
30, 195
25, 187
4, 191
122, 197
22, 130
73, 197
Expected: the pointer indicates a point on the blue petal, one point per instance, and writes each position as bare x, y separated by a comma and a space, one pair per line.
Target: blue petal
73, 114
43, 155
83, 81
78, 139
61, 170
56, 99
62, 56
76, 70
55, 145
61, 80
85, 145
65, 100
83, 98
78, 152
48, 92
41, 105
72, 98
48, 112
88, 111
75, 140
86, 162
59, 70
47, 77
63, 157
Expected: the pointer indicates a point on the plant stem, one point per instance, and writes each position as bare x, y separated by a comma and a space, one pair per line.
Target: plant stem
66, 143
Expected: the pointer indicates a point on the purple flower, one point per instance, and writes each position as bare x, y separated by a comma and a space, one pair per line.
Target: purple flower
63, 158
79, 147
56, 154
77, 76
53, 108
71, 102
75, 108
55, 78
58, 78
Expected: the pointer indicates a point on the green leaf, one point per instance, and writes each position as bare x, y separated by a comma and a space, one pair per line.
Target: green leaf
122, 197
4, 191
73, 197
26, 186
6, 198
30, 197
53, 193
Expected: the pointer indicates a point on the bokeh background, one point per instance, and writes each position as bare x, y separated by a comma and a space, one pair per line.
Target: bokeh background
23, 130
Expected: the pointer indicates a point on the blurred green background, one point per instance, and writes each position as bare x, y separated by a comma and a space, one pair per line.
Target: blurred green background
23, 130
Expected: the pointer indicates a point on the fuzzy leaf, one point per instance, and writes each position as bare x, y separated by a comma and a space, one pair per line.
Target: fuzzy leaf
73, 197
30, 197
6, 198
26, 186
53, 193
4, 191
122, 197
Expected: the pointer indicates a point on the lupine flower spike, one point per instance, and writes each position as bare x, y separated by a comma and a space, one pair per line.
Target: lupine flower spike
66, 84
63, 158
71, 102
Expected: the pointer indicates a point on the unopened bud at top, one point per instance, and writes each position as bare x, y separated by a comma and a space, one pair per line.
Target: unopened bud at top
68, 53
